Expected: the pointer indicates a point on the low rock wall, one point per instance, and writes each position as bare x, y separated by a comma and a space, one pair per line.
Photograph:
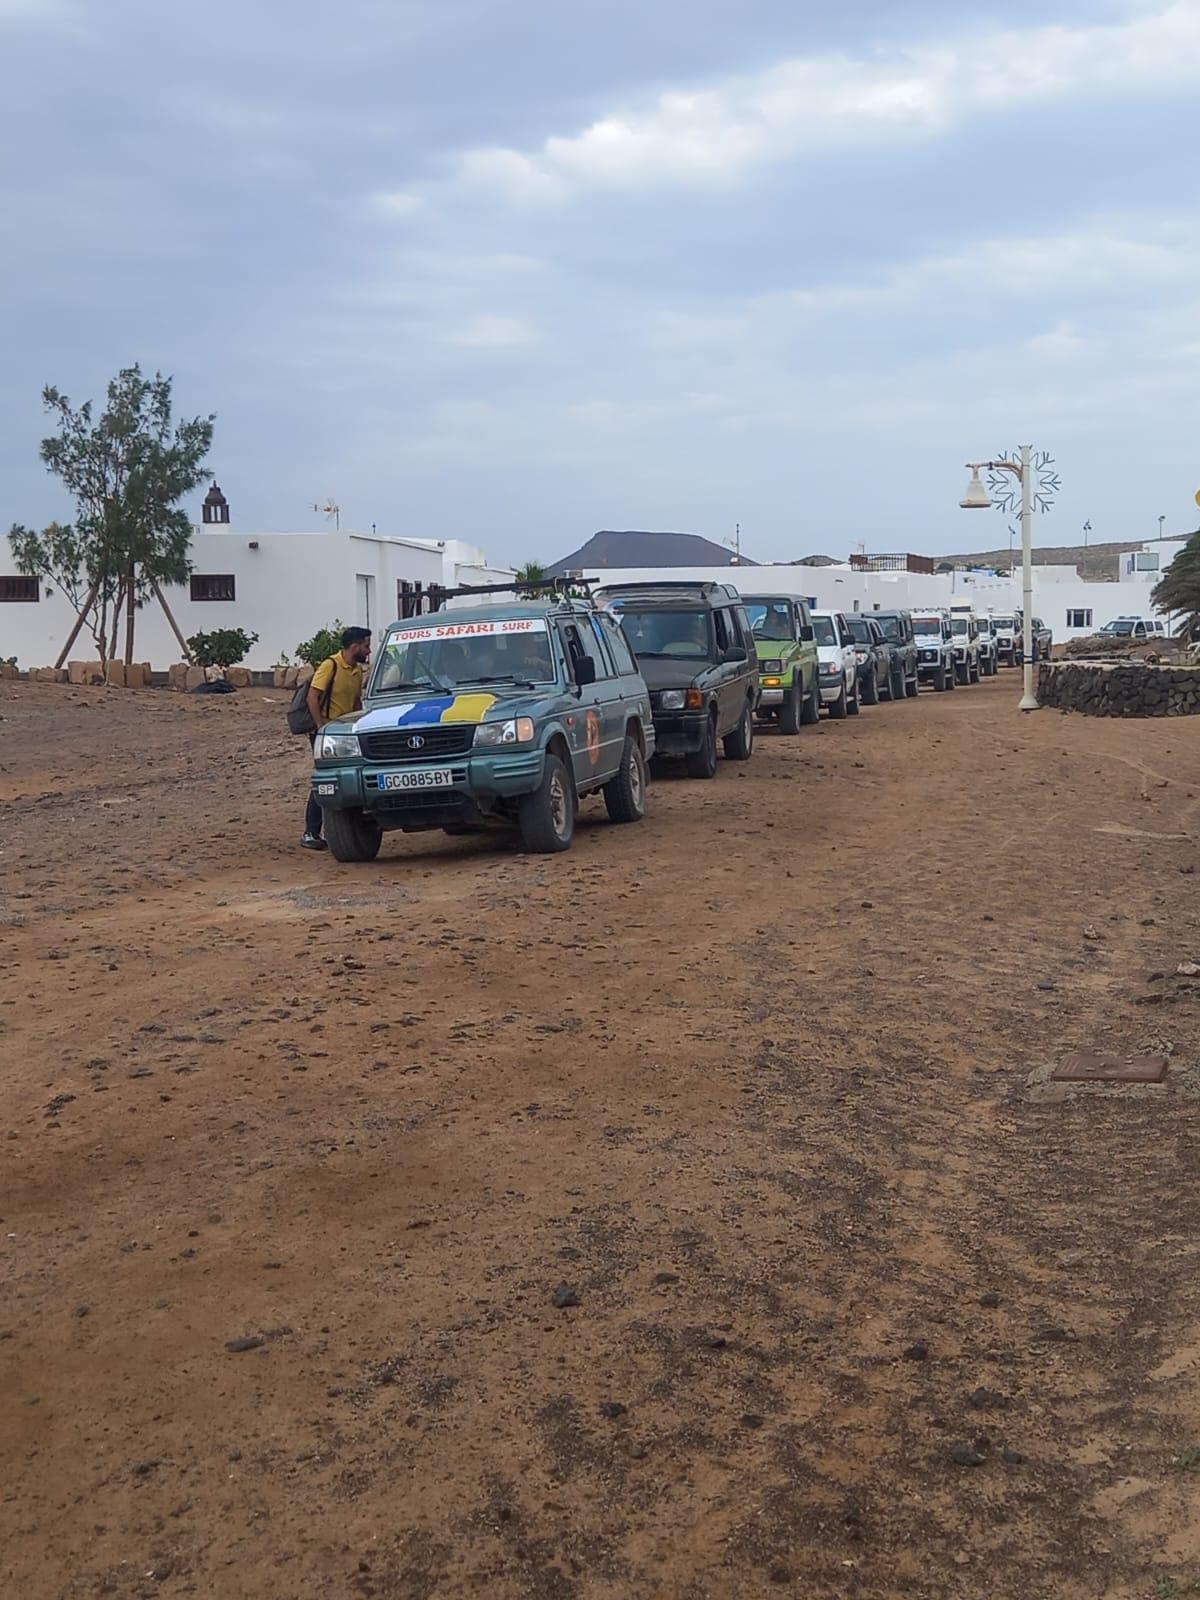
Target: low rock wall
1119, 688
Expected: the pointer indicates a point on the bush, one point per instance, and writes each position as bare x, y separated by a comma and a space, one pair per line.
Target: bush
223, 647
324, 643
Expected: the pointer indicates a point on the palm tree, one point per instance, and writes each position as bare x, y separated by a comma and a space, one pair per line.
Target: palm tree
1179, 587
531, 572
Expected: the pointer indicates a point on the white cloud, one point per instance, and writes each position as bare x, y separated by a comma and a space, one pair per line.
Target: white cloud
493, 333
713, 134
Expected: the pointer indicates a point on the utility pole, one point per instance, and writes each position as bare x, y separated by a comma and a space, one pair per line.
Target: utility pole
1087, 528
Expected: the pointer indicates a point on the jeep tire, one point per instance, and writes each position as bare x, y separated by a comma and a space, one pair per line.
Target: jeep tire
810, 710
912, 686
739, 744
547, 815
702, 763
868, 692
791, 712
625, 795
952, 676
853, 707
352, 835
839, 710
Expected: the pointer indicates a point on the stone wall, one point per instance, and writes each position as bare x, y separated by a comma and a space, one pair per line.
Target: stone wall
1119, 688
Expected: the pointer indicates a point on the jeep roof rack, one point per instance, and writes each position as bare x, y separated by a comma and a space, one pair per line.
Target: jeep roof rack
674, 589
560, 587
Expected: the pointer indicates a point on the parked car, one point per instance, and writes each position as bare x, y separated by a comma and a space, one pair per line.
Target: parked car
787, 659
935, 648
873, 658
988, 665
965, 627
1007, 631
837, 665
898, 631
503, 713
694, 647
1043, 640
1134, 628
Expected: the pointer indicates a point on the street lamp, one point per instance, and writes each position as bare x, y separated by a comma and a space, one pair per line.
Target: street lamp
1024, 469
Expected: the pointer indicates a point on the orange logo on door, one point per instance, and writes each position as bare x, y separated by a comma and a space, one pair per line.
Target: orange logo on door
593, 738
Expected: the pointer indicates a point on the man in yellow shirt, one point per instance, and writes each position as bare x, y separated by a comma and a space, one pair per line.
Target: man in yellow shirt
335, 691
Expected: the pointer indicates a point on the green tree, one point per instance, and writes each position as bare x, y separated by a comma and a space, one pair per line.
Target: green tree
223, 647
1179, 587
531, 572
324, 643
127, 469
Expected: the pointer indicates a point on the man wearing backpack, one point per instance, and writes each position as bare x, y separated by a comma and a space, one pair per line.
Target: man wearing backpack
335, 690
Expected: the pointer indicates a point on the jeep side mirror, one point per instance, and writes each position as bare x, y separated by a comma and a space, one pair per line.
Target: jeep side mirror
585, 671
807, 632
736, 652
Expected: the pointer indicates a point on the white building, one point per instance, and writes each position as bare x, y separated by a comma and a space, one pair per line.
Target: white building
282, 586
1071, 606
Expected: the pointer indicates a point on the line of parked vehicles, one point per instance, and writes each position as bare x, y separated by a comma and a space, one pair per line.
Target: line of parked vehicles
510, 712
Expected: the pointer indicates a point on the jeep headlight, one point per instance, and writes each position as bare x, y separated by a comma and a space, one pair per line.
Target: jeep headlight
338, 746
517, 730
771, 666
673, 699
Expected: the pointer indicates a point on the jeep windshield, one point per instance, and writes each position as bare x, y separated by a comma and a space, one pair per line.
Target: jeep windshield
891, 628
1003, 624
824, 631
770, 619
672, 631
447, 655
925, 626
958, 627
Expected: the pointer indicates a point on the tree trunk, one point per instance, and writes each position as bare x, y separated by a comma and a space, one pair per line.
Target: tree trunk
74, 634
130, 597
116, 621
162, 600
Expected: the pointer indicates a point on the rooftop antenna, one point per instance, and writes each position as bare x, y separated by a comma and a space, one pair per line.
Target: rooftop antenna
331, 509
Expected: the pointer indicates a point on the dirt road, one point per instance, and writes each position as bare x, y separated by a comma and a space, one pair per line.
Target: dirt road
296, 1156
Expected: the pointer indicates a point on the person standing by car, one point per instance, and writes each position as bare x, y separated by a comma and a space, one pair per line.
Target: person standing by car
334, 691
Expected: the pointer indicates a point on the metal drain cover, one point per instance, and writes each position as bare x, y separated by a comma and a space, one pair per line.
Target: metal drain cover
1086, 1066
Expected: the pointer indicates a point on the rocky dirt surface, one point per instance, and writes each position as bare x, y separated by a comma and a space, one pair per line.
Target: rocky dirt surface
687, 1216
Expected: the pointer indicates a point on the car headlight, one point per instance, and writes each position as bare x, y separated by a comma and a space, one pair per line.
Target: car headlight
771, 666
673, 699
338, 746
517, 730
830, 668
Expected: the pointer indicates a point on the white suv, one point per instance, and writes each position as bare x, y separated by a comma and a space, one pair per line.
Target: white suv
935, 648
965, 629
837, 665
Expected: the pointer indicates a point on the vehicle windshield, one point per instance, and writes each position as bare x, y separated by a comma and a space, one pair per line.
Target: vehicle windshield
671, 631
859, 631
1123, 626
448, 655
770, 619
824, 631
928, 625
958, 627
1004, 624
891, 628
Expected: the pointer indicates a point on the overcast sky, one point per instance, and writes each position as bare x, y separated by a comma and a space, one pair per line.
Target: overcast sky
515, 270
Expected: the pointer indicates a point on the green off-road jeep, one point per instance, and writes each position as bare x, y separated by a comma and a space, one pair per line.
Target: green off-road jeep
502, 713
787, 659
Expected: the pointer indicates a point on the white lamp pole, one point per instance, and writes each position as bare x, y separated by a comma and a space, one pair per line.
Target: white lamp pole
977, 498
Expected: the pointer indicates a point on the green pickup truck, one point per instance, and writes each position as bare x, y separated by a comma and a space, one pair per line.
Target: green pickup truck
787, 659
503, 713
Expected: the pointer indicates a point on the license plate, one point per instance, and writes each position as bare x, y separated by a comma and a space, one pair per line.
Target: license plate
419, 778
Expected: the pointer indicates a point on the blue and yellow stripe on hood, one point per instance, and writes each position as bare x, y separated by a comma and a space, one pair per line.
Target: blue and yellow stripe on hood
428, 713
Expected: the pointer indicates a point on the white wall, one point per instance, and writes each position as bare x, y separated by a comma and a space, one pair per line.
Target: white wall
287, 585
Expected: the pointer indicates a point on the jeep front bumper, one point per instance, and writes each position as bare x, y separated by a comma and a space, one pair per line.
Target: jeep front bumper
477, 783
679, 733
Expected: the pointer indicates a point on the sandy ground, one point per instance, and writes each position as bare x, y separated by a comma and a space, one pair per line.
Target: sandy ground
864, 1308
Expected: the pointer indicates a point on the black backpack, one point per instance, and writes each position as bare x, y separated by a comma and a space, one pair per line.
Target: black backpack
299, 717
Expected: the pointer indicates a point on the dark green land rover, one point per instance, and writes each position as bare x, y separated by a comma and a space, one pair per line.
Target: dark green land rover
502, 713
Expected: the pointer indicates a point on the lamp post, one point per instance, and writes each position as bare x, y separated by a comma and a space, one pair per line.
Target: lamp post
978, 499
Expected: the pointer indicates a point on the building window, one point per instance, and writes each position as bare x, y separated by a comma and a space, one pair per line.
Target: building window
213, 586
1079, 619
19, 589
1146, 561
